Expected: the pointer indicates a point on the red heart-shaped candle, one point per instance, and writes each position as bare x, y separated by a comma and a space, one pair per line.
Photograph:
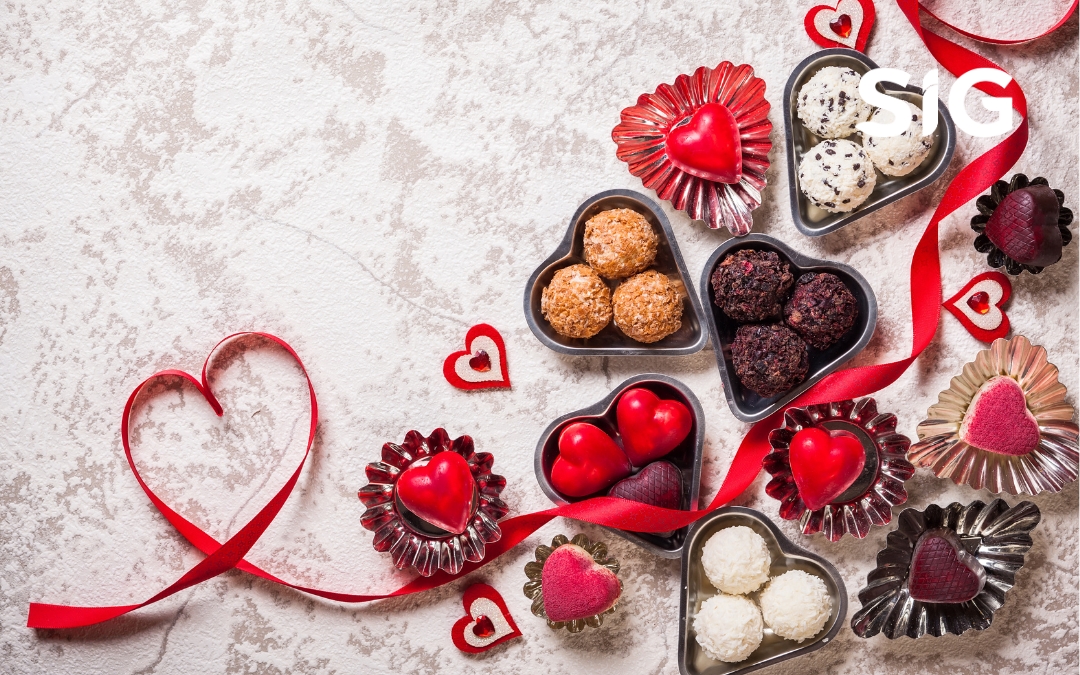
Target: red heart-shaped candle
442, 492
942, 571
824, 463
708, 146
588, 461
998, 419
651, 427
1025, 226
575, 586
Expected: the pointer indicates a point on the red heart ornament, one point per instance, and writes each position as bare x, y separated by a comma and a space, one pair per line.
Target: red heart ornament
589, 461
575, 586
942, 571
998, 420
978, 306
482, 365
708, 146
845, 25
441, 492
487, 621
650, 427
824, 463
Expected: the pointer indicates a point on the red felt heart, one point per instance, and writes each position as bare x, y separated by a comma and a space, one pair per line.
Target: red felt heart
588, 461
942, 571
651, 427
487, 621
978, 306
575, 586
824, 463
708, 146
845, 25
482, 364
441, 492
998, 420
1025, 226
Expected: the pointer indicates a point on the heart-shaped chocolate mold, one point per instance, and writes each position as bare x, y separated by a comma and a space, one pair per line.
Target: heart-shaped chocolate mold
745, 404
786, 556
691, 337
809, 219
686, 456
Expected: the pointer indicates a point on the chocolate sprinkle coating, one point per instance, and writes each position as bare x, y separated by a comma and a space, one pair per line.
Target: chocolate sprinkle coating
822, 309
751, 285
769, 359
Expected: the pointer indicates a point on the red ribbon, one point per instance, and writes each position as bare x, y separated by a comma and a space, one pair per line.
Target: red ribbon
925, 277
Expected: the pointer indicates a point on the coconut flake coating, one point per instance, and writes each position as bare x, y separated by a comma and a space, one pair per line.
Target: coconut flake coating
736, 560
619, 243
830, 105
898, 155
648, 307
796, 605
836, 175
577, 302
821, 310
769, 358
751, 285
728, 627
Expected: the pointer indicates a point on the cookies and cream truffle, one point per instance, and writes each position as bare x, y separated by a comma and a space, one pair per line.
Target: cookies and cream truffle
829, 103
619, 243
836, 176
577, 302
899, 155
648, 307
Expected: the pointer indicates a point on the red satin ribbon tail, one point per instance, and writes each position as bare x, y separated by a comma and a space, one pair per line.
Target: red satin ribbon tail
43, 615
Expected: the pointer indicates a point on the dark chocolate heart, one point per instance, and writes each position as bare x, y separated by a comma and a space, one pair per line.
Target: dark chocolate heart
658, 484
1025, 226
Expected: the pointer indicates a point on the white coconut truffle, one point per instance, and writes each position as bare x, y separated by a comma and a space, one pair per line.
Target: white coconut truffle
736, 560
836, 176
728, 627
898, 155
829, 103
796, 605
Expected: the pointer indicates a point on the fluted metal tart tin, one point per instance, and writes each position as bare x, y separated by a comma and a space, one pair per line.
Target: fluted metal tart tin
747, 405
691, 337
687, 456
786, 556
813, 221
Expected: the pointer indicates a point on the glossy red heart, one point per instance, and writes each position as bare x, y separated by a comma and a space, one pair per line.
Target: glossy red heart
487, 621
979, 306
708, 146
589, 461
651, 427
575, 586
442, 492
824, 463
942, 571
998, 420
845, 25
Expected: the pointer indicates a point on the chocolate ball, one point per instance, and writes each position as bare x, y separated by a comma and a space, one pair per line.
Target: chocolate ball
751, 285
769, 359
577, 302
821, 310
648, 307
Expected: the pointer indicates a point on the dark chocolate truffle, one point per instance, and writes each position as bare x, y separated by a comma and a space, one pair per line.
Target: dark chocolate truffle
822, 309
750, 285
769, 359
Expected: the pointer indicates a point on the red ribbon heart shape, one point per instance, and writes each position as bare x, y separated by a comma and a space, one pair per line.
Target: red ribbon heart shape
847, 24
708, 146
650, 427
442, 492
472, 368
487, 621
824, 463
588, 461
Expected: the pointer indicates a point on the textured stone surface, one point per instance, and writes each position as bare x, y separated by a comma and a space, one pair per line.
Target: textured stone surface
366, 180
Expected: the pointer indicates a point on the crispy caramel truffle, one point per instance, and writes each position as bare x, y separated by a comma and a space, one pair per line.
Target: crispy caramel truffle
822, 309
751, 285
769, 359
648, 307
619, 243
577, 302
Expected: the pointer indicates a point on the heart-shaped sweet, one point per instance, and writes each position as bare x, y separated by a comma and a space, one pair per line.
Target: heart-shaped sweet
487, 621
845, 25
441, 492
588, 462
708, 146
998, 419
482, 365
824, 463
942, 571
658, 484
1025, 226
575, 586
650, 427
978, 306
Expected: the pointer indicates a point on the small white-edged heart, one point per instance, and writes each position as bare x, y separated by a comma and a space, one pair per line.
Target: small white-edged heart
993, 318
482, 364
826, 16
465, 371
483, 603
485, 607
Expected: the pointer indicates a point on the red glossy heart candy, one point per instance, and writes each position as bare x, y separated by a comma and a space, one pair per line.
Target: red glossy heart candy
575, 586
651, 427
824, 464
708, 146
589, 461
442, 492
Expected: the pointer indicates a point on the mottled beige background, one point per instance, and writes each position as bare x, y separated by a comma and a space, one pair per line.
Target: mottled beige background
366, 179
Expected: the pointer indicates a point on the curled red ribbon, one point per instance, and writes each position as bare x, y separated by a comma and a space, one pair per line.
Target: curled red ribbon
925, 278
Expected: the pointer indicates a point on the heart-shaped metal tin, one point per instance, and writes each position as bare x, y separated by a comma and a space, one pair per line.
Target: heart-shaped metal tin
686, 456
813, 221
747, 405
786, 556
690, 338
